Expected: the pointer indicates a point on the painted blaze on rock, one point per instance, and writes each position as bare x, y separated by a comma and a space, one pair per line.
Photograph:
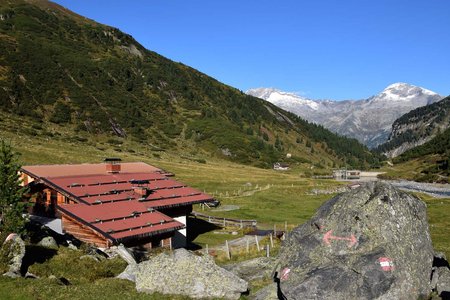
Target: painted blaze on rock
372, 242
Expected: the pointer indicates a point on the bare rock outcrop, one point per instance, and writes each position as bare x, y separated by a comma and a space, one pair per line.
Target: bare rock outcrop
369, 243
48, 242
184, 273
14, 251
253, 269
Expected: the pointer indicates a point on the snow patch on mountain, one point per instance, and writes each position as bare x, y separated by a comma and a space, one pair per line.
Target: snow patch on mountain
368, 120
281, 98
402, 92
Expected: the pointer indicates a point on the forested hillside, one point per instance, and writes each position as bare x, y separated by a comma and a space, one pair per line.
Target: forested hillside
72, 78
417, 127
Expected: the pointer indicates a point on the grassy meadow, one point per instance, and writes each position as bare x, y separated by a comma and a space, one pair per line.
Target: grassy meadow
268, 196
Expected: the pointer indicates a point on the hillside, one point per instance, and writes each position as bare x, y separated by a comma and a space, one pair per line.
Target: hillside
65, 77
433, 158
368, 120
417, 127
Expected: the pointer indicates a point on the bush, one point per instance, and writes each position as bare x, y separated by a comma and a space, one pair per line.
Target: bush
12, 205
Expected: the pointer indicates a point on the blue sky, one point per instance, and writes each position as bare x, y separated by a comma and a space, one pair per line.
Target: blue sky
322, 49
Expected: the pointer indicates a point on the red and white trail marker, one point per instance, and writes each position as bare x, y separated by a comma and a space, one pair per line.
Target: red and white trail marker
285, 274
386, 264
328, 237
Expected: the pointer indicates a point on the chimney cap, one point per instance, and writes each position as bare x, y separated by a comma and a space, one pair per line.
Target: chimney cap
112, 159
139, 182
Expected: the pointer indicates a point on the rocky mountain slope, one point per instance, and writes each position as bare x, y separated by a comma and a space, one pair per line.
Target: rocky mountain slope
432, 159
368, 120
417, 127
61, 69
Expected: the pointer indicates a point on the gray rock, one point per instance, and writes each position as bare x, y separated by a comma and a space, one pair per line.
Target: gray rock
71, 246
48, 242
95, 253
31, 275
434, 278
185, 273
443, 281
126, 254
12, 274
253, 269
369, 243
129, 273
15, 251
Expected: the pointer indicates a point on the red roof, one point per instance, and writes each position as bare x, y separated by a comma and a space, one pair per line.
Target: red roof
122, 220
86, 169
111, 203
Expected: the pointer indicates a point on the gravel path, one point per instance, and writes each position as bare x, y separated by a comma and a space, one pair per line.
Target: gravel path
433, 189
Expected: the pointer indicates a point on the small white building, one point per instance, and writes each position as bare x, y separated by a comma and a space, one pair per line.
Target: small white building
346, 174
280, 166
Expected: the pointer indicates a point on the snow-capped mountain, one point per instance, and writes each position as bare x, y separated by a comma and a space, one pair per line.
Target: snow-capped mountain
368, 120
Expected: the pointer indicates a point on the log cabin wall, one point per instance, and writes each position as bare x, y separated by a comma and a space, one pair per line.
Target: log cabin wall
166, 243
83, 233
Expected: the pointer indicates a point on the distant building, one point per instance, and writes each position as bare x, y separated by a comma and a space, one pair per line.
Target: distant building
347, 174
106, 204
280, 166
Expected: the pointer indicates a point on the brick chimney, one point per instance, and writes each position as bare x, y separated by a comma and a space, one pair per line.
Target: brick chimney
112, 165
140, 187
140, 190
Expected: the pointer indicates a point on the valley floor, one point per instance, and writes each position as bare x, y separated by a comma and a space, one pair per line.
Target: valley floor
273, 198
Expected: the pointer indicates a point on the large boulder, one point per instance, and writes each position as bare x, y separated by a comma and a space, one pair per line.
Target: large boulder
13, 252
184, 273
369, 243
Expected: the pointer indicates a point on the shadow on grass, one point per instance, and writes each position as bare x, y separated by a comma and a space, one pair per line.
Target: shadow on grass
36, 254
197, 227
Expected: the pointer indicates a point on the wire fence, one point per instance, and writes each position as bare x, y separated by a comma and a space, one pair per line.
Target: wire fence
226, 221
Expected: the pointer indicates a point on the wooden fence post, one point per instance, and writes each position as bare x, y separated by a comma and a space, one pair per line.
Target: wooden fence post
271, 241
228, 250
248, 246
257, 243
207, 250
267, 250
285, 226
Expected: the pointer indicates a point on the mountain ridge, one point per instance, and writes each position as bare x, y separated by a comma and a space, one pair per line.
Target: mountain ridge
417, 127
355, 118
92, 79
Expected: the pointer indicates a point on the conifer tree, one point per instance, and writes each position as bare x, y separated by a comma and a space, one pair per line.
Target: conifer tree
11, 191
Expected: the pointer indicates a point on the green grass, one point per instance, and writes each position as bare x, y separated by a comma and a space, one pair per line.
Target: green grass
271, 197
215, 238
438, 211
423, 169
88, 279
49, 289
